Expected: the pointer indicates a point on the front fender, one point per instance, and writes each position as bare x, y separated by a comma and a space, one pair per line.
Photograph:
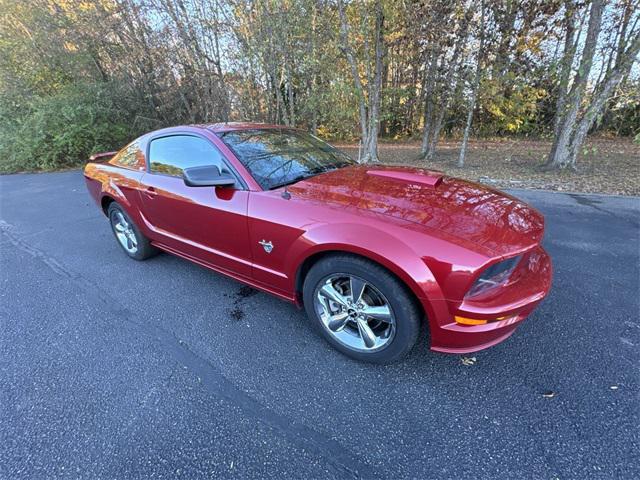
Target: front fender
380, 246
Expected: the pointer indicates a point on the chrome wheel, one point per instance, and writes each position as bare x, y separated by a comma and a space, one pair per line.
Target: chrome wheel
354, 312
124, 232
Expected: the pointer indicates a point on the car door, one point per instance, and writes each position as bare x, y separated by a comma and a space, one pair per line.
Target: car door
205, 224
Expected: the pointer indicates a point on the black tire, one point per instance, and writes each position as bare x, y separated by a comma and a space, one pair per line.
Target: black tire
144, 249
406, 312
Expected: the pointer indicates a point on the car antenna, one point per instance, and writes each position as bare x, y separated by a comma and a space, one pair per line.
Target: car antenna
285, 193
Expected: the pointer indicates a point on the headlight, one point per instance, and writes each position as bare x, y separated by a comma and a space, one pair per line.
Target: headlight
496, 274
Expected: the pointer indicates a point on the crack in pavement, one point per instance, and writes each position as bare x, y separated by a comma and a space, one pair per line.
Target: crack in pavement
342, 462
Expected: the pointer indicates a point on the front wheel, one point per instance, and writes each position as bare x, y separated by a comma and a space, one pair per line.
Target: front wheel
361, 309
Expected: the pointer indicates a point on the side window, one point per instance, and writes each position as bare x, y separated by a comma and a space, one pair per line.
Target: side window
170, 155
130, 157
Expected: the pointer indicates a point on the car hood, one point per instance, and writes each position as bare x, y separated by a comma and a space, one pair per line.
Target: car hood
465, 210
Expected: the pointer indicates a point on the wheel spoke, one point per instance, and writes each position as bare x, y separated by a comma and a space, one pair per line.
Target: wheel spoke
329, 291
326, 305
343, 302
133, 239
121, 220
338, 321
367, 335
382, 313
357, 287
119, 227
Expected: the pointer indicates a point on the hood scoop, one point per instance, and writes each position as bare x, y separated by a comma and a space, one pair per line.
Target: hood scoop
429, 178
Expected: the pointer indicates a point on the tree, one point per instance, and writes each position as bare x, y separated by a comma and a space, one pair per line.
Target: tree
443, 28
341, 68
474, 88
448, 88
369, 100
575, 116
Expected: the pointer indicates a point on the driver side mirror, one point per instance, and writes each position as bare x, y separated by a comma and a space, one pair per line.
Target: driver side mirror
207, 176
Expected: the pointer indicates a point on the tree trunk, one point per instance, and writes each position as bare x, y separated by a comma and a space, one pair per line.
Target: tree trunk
375, 99
292, 110
565, 67
597, 104
449, 85
349, 54
474, 93
435, 135
428, 100
369, 108
560, 154
314, 70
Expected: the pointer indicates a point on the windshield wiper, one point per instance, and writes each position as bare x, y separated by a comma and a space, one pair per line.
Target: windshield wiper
332, 166
299, 178
309, 174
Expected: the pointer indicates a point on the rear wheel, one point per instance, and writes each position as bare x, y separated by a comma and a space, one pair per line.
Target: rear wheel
361, 309
128, 235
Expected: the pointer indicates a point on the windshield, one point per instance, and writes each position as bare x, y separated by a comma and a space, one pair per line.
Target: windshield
277, 157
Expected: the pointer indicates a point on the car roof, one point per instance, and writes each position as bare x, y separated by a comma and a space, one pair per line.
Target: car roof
215, 128
228, 126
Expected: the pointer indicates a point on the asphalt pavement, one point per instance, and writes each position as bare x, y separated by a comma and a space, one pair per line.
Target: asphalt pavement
112, 368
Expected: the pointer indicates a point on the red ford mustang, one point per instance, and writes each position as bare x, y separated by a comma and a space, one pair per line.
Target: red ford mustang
370, 251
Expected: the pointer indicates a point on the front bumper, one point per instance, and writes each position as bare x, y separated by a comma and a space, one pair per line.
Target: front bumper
503, 310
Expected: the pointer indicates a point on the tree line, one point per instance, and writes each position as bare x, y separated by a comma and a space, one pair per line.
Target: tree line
78, 76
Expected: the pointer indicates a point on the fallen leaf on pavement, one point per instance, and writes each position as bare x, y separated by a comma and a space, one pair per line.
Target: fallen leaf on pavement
468, 360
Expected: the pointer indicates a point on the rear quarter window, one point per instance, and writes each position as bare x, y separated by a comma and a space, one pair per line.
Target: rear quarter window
130, 157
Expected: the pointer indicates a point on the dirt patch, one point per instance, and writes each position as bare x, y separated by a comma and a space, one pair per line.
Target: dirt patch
244, 292
237, 313
605, 165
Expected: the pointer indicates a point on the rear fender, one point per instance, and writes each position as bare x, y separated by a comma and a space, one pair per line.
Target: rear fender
119, 184
110, 189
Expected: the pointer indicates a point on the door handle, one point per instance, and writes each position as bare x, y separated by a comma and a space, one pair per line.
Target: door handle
151, 192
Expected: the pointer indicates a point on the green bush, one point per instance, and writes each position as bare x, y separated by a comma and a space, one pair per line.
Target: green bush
63, 130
